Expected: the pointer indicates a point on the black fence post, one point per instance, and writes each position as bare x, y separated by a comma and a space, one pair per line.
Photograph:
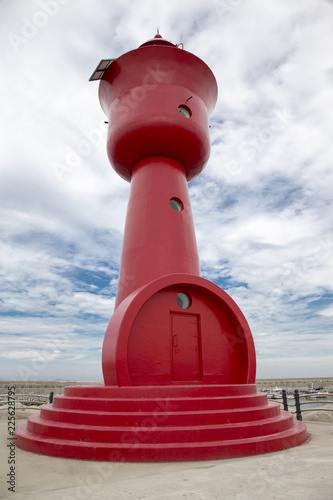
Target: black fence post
298, 406
51, 397
284, 399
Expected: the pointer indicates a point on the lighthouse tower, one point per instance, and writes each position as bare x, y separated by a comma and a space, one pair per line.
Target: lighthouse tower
178, 355
170, 326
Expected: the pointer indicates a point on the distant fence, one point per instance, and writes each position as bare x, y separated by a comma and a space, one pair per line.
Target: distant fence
28, 399
296, 397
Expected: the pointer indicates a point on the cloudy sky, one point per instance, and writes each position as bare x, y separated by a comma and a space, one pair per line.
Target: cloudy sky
262, 208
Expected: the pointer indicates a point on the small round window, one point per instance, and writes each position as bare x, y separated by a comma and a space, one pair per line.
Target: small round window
184, 111
184, 300
176, 204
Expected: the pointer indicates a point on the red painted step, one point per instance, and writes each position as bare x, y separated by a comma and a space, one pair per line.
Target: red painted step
163, 451
137, 417
159, 391
158, 434
154, 404
160, 423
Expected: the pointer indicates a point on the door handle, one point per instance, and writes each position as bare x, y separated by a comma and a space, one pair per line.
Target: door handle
175, 341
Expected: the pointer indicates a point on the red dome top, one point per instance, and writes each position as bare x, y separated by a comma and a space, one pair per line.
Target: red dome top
158, 40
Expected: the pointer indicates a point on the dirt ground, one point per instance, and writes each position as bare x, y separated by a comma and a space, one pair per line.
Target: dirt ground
304, 472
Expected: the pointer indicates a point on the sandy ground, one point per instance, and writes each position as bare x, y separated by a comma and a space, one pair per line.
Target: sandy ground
304, 472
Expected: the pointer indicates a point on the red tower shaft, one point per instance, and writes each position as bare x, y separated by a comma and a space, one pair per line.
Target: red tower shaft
159, 236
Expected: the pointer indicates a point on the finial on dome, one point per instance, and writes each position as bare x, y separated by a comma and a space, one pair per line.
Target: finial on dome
158, 34
158, 40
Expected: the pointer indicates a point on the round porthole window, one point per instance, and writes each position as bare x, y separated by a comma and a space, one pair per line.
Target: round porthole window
184, 111
176, 204
184, 300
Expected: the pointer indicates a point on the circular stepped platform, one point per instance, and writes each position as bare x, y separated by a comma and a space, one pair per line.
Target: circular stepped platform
160, 423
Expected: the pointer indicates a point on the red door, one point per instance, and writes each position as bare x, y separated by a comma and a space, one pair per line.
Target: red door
186, 347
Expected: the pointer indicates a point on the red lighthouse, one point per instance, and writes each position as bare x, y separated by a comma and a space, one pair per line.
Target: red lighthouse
170, 325
178, 355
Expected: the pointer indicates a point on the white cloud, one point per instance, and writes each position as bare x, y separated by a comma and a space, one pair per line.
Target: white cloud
328, 311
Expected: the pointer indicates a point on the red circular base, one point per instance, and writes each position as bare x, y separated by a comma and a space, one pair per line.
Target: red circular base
164, 423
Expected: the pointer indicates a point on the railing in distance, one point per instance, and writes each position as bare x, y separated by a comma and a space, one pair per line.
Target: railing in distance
296, 397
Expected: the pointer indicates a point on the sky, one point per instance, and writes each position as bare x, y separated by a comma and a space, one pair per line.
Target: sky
262, 208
